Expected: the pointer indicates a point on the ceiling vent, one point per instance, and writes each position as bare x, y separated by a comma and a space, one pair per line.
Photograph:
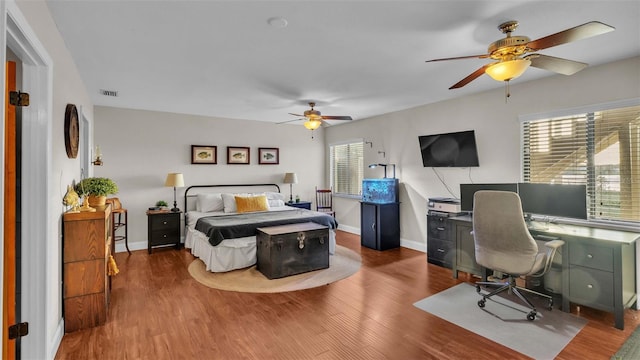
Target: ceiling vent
109, 92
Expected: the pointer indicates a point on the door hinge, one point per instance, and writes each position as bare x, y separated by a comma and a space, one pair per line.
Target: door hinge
18, 330
17, 98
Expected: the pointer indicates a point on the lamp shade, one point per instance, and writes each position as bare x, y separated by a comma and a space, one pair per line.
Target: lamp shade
507, 70
175, 180
290, 178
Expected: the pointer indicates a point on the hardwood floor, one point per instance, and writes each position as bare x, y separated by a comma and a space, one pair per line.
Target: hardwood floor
158, 311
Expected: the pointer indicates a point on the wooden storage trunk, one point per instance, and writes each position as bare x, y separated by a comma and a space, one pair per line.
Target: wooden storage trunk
292, 249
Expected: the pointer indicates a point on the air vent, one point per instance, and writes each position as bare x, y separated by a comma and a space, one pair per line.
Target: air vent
109, 92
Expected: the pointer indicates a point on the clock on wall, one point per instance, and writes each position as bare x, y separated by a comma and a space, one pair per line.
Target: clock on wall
71, 131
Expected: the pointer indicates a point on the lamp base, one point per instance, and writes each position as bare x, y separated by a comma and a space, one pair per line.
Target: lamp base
175, 210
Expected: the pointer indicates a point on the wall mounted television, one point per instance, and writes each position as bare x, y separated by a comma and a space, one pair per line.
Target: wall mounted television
455, 149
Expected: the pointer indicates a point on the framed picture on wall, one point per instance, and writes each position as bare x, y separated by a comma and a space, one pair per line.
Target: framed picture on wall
237, 155
268, 156
204, 154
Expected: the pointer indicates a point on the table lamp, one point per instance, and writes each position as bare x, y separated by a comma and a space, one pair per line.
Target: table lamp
175, 180
290, 178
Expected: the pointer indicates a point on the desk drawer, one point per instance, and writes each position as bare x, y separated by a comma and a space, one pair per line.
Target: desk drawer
592, 256
440, 252
591, 287
438, 228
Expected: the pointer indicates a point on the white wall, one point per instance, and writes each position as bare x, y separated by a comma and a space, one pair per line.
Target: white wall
497, 135
140, 147
42, 280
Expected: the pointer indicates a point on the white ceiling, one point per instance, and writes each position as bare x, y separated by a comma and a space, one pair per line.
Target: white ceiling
358, 58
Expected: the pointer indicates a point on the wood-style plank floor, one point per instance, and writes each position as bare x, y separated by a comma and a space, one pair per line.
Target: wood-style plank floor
158, 311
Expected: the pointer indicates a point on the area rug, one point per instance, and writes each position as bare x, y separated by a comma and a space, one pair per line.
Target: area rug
342, 264
504, 321
631, 347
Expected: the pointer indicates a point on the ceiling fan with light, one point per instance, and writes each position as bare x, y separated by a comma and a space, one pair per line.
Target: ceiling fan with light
314, 119
514, 54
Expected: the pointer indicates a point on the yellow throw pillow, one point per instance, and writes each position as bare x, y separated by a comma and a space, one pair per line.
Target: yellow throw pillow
252, 203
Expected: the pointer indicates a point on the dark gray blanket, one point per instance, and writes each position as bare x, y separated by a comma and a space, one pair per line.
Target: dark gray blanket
219, 228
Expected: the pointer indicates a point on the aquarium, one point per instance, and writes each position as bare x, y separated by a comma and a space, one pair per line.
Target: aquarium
380, 191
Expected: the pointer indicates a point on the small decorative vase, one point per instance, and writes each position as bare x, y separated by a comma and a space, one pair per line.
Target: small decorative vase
97, 200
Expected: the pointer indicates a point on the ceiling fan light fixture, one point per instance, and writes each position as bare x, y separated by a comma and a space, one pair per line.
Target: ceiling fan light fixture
312, 124
507, 70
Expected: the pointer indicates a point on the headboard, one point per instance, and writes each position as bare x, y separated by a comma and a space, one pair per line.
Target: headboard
192, 191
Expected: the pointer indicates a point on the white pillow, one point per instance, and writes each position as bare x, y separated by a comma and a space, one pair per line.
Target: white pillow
274, 196
209, 202
275, 202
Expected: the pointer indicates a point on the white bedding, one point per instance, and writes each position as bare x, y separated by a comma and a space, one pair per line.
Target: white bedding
230, 254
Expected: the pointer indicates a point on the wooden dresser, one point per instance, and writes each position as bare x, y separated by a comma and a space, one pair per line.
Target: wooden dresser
86, 249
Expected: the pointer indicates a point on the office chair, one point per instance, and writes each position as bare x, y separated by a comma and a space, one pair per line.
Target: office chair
324, 201
503, 243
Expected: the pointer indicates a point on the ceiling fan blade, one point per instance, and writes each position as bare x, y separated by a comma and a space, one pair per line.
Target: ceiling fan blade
579, 32
288, 121
476, 74
557, 65
337, 117
483, 56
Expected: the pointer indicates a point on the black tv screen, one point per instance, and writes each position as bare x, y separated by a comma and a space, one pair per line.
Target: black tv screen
468, 190
456, 149
554, 199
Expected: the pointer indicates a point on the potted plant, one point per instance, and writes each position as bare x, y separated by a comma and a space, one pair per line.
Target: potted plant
96, 189
161, 204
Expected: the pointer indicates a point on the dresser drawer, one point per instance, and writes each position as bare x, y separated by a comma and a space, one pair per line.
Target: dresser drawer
164, 237
591, 287
592, 256
164, 222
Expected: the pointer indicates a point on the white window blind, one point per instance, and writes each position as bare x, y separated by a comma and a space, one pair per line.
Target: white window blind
600, 149
347, 169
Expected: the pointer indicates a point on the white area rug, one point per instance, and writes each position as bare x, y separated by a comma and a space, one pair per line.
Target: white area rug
542, 338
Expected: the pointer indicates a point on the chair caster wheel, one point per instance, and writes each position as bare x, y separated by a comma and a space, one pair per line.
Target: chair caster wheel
531, 316
477, 288
481, 303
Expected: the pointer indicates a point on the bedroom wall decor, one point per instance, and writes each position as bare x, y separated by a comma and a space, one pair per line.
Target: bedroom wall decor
238, 155
268, 156
204, 154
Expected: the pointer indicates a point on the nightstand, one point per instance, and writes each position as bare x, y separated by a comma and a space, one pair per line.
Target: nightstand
163, 229
300, 204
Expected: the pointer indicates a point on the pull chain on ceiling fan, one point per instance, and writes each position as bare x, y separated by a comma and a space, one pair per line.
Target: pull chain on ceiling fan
512, 59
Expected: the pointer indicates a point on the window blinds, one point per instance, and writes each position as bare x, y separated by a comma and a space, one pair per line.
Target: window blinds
600, 149
347, 168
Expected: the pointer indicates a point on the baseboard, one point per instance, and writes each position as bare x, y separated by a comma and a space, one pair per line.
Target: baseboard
132, 246
414, 245
349, 229
57, 339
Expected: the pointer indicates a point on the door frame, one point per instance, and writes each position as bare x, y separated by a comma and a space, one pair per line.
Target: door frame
40, 270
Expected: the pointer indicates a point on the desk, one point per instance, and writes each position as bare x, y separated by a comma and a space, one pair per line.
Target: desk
598, 265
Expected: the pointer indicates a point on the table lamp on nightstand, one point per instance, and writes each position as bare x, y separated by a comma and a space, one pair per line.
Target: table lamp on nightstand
175, 180
290, 178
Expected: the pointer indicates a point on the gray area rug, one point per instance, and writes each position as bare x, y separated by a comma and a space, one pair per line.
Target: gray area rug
631, 347
504, 321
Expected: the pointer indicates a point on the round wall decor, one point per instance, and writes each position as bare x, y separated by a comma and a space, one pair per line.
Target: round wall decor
71, 131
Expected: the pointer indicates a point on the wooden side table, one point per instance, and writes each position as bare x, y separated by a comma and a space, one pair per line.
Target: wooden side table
163, 228
300, 204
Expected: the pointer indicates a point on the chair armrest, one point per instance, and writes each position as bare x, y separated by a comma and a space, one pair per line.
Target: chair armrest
554, 244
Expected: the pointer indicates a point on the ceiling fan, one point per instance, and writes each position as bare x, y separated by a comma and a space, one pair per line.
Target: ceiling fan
514, 54
315, 119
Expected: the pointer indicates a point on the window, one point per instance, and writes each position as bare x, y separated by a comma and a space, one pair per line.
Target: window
600, 149
347, 168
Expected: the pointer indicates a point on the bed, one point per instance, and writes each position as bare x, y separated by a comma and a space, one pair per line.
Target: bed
221, 222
